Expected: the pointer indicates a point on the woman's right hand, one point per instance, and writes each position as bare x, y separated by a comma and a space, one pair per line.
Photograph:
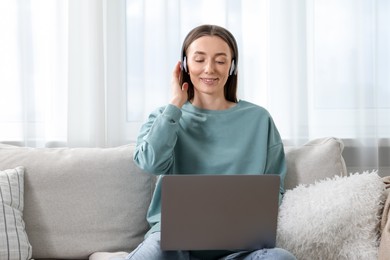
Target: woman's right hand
179, 93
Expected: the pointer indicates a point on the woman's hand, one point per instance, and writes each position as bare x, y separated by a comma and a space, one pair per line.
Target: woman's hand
179, 93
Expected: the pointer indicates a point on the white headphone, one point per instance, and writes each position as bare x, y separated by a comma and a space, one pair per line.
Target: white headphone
233, 68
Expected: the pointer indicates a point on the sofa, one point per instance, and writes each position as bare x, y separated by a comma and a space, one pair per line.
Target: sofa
69, 203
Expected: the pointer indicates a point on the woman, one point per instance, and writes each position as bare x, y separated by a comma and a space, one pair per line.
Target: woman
205, 129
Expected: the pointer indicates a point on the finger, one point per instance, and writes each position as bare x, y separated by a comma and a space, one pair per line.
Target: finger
176, 73
177, 69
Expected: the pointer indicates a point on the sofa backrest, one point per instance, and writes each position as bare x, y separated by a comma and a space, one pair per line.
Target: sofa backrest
82, 200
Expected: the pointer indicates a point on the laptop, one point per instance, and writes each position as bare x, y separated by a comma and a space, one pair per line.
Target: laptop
219, 212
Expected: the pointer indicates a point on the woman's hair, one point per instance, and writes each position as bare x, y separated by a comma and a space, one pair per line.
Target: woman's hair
212, 30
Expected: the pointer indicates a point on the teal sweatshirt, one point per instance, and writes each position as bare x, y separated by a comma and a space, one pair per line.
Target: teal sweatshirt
239, 140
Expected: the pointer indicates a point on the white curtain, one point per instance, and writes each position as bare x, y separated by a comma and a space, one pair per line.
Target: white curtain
87, 73
59, 83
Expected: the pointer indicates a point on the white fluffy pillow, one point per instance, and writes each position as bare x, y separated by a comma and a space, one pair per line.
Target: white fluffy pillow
333, 219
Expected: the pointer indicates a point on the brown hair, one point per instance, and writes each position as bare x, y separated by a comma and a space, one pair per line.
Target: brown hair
212, 30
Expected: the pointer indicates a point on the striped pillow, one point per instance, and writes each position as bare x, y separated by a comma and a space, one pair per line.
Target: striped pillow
14, 242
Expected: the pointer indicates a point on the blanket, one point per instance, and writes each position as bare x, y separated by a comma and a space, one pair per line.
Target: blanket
384, 246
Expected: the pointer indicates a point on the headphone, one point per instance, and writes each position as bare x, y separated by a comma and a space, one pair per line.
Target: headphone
232, 70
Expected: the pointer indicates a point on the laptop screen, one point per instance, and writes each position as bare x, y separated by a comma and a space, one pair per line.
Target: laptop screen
219, 212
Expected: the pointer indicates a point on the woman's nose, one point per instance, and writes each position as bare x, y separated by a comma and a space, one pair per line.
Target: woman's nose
209, 67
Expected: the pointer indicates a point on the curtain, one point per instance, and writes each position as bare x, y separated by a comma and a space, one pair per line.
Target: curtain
88, 73
59, 83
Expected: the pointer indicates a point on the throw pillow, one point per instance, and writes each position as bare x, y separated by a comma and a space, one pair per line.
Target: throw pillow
322, 156
14, 242
334, 218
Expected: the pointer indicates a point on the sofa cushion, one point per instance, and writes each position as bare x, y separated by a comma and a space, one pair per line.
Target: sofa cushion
14, 242
335, 218
316, 160
82, 200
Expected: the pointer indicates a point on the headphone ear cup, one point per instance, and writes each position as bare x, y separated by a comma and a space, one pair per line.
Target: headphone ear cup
184, 64
232, 68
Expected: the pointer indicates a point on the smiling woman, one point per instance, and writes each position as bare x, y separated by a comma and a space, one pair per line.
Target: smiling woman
199, 125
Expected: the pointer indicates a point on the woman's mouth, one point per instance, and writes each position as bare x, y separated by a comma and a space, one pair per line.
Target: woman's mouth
209, 81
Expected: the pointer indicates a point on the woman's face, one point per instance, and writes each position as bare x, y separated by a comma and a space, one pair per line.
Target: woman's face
208, 60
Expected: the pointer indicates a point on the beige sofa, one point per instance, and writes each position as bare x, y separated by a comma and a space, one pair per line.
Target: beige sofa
78, 201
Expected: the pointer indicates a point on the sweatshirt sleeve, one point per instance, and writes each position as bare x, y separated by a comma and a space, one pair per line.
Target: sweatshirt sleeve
276, 162
156, 141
